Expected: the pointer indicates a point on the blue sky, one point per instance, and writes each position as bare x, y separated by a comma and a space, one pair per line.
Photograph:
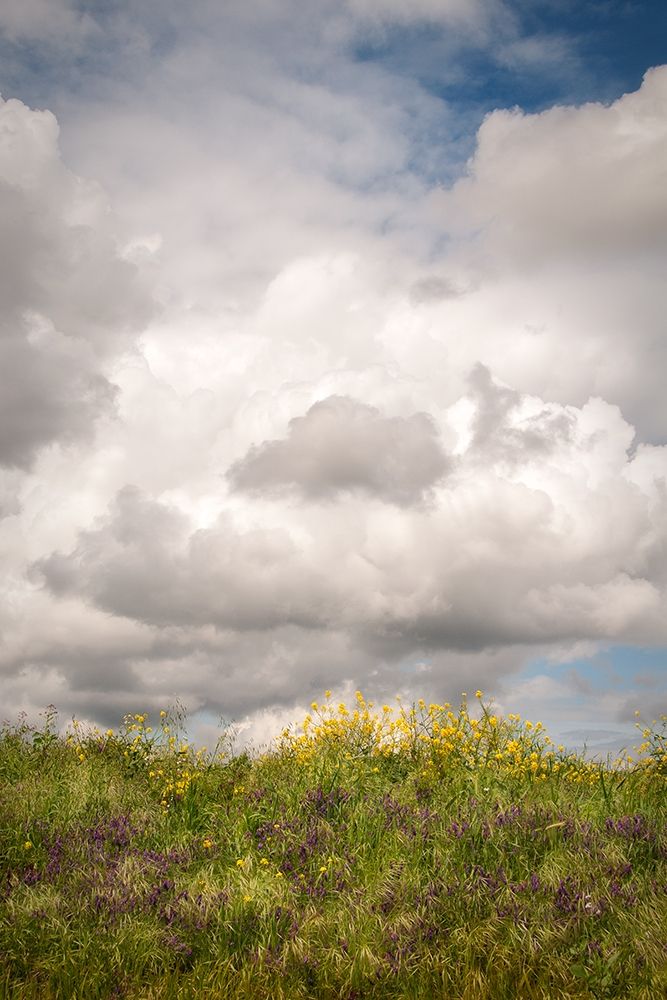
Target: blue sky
635, 675
605, 49
332, 356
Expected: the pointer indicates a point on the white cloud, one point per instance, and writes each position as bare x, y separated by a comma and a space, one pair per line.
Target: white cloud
569, 181
275, 201
537, 537
458, 12
341, 445
69, 302
561, 253
56, 22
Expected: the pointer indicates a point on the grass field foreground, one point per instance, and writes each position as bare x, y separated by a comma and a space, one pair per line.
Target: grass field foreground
372, 852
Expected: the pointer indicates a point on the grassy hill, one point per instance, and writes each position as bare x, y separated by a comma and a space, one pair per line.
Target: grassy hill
423, 852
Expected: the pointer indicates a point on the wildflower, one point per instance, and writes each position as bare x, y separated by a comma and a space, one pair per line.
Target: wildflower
479, 694
323, 869
163, 714
207, 843
109, 733
263, 861
247, 899
27, 845
240, 863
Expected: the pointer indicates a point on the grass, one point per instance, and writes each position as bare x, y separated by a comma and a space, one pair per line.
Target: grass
372, 853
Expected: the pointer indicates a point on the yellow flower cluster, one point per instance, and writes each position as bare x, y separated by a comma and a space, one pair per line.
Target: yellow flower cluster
652, 752
177, 766
436, 738
173, 764
81, 739
137, 738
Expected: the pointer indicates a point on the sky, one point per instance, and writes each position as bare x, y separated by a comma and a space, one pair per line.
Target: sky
332, 356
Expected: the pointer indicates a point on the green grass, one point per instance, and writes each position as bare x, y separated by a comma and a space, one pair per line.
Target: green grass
351, 861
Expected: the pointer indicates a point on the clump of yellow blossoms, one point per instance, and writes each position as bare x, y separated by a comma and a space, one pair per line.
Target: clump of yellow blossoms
175, 764
169, 761
436, 738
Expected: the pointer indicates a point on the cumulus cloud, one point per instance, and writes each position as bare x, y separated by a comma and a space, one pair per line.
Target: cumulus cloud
52, 21
604, 197
144, 564
560, 253
380, 433
507, 427
69, 301
531, 552
342, 445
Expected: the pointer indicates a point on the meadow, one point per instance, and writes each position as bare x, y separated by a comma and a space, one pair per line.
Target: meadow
423, 851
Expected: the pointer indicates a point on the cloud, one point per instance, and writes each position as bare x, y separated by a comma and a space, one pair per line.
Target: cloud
548, 548
606, 201
558, 246
446, 12
69, 301
144, 564
55, 22
374, 432
342, 445
505, 430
